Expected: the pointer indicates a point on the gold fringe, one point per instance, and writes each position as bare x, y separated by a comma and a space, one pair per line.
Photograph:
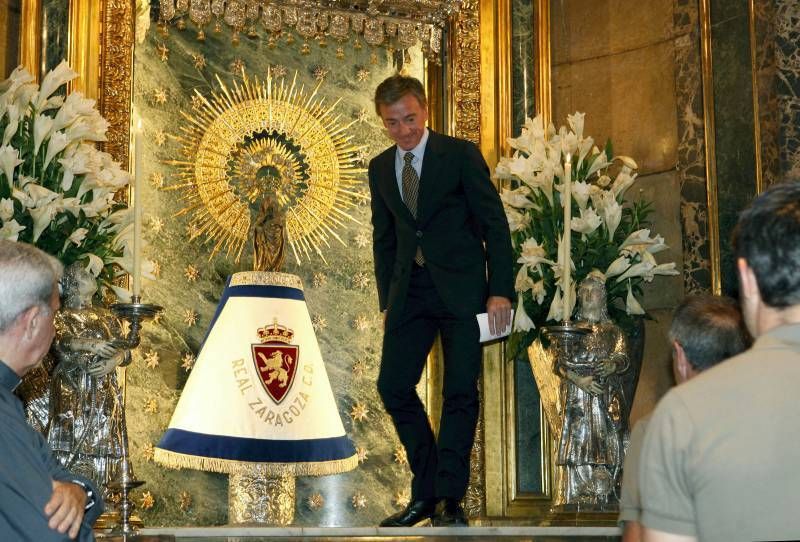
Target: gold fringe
266, 278
175, 460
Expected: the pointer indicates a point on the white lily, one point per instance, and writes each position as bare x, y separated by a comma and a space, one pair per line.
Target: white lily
639, 237
623, 181
580, 191
11, 230
39, 194
666, 269
627, 161
603, 181
78, 236
42, 217
575, 122
98, 206
22, 197
611, 211
95, 264
13, 113
523, 282
75, 106
632, 306
76, 164
9, 160
618, 266
532, 253
584, 147
538, 292
516, 220
600, 162
517, 198
71, 205
6, 209
52, 80
657, 246
58, 142
42, 127
522, 322
588, 221
556, 307
641, 269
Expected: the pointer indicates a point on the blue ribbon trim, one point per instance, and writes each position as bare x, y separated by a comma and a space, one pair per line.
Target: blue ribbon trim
279, 292
256, 450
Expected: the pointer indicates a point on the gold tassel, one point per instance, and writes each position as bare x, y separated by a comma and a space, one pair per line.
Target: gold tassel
175, 460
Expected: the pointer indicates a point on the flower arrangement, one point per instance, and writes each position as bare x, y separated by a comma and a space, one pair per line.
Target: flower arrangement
607, 234
56, 189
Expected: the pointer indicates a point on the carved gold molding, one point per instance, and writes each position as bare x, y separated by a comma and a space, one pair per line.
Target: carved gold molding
30, 44
710, 150
466, 47
751, 13
116, 75
84, 46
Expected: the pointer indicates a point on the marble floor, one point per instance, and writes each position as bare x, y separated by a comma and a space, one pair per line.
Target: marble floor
340, 534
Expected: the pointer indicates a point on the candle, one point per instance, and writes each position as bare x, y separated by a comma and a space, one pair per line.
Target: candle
566, 197
137, 209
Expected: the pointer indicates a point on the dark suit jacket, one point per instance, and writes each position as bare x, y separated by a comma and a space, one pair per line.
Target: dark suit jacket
458, 210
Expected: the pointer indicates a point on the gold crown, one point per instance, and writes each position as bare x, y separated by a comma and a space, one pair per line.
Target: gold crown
275, 333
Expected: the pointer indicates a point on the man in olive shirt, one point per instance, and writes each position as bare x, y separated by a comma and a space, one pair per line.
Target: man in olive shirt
705, 330
721, 457
40, 501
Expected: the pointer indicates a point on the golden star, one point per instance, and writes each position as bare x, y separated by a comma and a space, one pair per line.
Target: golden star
236, 66
160, 96
400, 456
147, 451
151, 406
360, 367
163, 52
401, 499
319, 279
197, 101
191, 273
159, 138
156, 224
362, 75
362, 454
199, 61
361, 281
361, 323
316, 501
151, 359
190, 317
359, 412
185, 501
147, 501
279, 70
188, 361
359, 501
320, 73
157, 179
319, 322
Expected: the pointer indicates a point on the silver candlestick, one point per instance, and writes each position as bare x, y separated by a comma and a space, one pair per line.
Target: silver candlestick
135, 313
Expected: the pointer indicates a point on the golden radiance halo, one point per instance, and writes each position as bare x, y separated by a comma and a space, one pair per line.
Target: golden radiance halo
261, 138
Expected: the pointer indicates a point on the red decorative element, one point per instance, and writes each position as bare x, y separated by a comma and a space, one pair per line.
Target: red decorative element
276, 365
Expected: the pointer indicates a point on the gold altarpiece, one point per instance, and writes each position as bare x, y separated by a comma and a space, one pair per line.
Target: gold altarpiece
470, 97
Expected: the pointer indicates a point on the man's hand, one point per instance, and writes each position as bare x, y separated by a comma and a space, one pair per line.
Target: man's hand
499, 311
66, 507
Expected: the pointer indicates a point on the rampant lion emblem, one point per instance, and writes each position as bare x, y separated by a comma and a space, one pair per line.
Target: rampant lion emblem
276, 360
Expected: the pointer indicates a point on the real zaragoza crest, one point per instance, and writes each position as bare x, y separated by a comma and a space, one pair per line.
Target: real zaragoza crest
276, 359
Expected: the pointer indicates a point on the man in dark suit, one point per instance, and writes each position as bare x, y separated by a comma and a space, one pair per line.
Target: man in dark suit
442, 252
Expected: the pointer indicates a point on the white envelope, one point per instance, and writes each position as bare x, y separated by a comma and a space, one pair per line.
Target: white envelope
483, 324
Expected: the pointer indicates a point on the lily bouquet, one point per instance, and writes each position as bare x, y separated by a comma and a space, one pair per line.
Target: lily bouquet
607, 234
57, 191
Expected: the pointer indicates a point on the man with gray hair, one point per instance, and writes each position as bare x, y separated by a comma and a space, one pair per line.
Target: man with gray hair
705, 330
41, 501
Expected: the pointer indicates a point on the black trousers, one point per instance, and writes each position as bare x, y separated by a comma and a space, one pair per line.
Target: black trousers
440, 467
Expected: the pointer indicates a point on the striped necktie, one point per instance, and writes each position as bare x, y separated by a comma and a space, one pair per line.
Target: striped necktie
410, 192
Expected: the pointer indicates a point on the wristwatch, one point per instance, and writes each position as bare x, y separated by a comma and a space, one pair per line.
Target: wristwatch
90, 500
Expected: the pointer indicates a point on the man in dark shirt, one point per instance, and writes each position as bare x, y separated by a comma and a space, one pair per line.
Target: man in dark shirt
39, 500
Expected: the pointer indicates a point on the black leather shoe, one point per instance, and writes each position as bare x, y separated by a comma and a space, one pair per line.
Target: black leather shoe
449, 513
414, 513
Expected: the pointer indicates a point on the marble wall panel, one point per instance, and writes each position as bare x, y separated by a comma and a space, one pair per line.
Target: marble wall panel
523, 77
584, 29
628, 97
340, 295
787, 51
55, 33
